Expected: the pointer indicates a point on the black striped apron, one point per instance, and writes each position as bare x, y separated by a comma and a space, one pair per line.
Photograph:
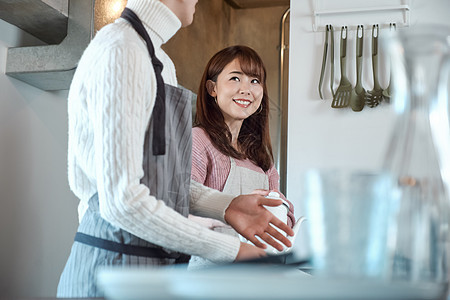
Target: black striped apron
167, 168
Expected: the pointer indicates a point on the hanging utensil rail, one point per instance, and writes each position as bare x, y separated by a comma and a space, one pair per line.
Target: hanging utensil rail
380, 9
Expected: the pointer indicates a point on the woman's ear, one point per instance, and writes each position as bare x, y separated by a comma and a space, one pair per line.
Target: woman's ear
211, 88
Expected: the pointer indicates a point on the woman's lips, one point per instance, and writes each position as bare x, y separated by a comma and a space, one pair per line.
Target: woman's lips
242, 102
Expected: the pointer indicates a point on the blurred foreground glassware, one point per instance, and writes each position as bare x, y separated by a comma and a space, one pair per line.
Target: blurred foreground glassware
418, 154
350, 216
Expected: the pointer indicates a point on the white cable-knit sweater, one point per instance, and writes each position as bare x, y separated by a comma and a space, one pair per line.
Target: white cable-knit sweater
110, 103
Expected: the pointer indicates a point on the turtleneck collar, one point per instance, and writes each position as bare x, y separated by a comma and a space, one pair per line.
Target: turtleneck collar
157, 18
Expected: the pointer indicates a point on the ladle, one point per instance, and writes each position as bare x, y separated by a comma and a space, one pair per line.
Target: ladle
358, 93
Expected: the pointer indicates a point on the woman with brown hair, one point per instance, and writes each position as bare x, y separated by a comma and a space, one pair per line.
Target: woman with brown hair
231, 150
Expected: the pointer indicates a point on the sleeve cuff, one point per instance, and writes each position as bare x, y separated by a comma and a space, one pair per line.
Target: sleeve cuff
207, 202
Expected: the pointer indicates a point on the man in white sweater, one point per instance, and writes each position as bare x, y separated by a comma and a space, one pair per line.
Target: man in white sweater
134, 201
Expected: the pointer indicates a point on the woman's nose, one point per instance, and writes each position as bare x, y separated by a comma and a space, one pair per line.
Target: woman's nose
245, 88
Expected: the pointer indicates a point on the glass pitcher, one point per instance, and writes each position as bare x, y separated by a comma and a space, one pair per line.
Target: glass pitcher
419, 152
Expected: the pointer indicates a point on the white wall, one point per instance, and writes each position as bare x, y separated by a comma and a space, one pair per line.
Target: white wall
321, 136
38, 212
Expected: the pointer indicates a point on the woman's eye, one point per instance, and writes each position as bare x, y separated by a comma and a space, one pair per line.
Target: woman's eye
256, 81
234, 78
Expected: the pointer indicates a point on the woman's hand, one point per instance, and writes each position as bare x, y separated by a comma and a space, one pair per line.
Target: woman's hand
249, 218
260, 192
248, 251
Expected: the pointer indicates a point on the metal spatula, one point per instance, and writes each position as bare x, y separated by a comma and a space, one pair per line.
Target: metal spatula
374, 97
343, 92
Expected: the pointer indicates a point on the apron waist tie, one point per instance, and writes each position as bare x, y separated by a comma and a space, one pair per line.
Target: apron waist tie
128, 249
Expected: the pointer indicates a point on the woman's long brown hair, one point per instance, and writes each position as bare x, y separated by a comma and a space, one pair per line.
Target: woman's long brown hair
254, 137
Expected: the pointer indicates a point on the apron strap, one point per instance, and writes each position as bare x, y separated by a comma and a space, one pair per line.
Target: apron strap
159, 114
128, 249
87, 238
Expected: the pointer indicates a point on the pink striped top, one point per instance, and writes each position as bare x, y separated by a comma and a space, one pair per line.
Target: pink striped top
211, 167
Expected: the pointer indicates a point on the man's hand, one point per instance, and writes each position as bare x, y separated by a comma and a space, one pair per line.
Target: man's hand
249, 218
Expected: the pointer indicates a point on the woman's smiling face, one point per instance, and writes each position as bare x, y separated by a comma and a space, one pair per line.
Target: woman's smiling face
238, 95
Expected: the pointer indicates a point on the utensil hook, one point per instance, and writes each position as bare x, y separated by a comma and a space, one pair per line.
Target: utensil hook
375, 31
343, 41
359, 37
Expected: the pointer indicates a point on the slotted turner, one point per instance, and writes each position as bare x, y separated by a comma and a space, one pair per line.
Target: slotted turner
342, 96
374, 97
